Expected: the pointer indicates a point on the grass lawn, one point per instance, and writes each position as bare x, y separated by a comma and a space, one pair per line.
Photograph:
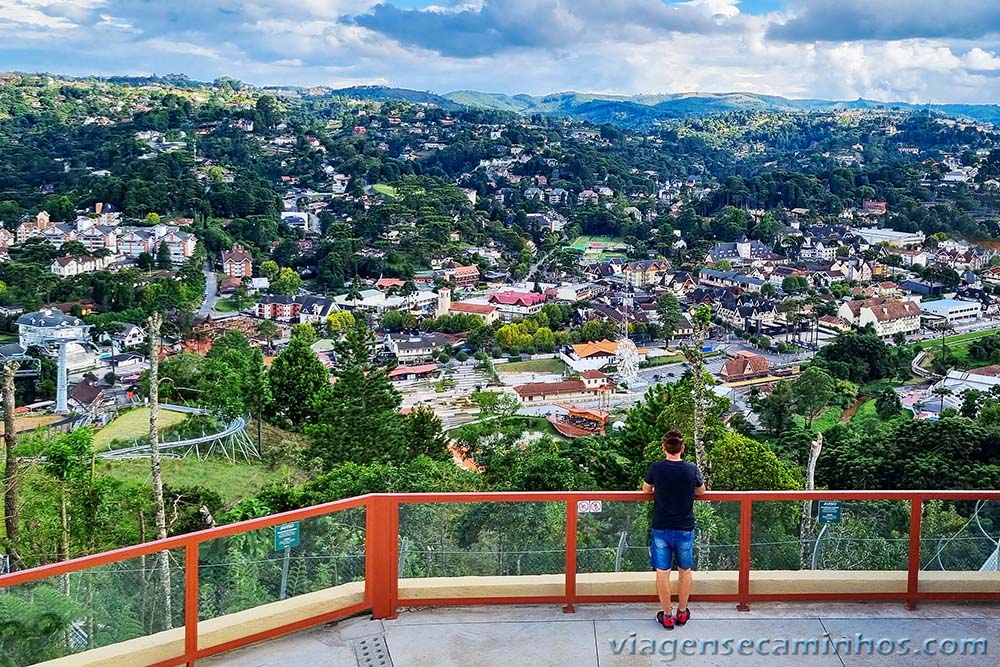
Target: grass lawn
538, 424
234, 481
876, 387
867, 417
662, 360
387, 190
134, 424
956, 339
8, 338
553, 366
581, 242
866, 414
826, 421
227, 305
961, 352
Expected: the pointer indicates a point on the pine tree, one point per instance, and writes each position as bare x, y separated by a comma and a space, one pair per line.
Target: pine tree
163, 259
299, 382
361, 421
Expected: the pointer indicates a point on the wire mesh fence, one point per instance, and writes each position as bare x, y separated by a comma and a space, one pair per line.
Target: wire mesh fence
960, 537
247, 570
99, 606
111, 603
498, 538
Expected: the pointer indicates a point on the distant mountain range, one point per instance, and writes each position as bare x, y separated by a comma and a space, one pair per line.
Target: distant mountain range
640, 110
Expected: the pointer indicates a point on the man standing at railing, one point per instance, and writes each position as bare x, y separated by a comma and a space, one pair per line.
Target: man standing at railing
674, 483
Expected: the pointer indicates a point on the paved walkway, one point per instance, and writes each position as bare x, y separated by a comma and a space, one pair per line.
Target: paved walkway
602, 636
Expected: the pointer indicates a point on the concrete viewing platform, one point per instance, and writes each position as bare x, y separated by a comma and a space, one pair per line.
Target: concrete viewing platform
626, 635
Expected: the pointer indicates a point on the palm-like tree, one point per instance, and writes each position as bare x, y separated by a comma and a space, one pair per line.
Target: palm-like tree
941, 391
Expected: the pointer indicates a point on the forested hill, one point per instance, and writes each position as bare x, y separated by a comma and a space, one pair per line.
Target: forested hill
643, 110
625, 111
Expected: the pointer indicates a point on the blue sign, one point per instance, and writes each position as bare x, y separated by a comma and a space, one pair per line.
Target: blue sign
829, 511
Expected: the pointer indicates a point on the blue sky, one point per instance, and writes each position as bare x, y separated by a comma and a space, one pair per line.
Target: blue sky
910, 50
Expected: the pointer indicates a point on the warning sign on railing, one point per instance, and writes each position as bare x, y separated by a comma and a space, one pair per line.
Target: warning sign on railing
589, 506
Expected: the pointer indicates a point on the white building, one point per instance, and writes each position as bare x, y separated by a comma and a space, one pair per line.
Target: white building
878, 235
951, 311
887, 316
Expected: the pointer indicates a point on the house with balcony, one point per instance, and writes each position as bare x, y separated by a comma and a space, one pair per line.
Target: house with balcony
463, 276
123, 335
750, 313
713, 278
32, 228
97, 237
300, 308
237, 262
74, 265
517, 305
410, 349
739, 252
645, 273
888, 317
181, 244
133, 241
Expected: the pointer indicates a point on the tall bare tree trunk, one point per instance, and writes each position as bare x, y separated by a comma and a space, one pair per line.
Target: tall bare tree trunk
701, 321
64, 552
163, 557
696, 357
11, 519
805, 524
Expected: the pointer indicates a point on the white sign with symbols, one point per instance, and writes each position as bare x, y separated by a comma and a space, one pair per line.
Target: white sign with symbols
589, 506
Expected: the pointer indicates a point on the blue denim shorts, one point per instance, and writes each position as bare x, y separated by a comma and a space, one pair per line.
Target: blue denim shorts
672, 548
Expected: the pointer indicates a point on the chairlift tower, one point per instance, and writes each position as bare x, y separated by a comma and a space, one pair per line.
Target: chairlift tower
53, 331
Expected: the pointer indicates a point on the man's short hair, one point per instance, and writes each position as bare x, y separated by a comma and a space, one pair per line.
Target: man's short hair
673, 442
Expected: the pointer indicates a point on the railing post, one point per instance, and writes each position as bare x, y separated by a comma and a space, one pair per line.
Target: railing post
913, 566
191, 602
746, 518
570, 591
381, 545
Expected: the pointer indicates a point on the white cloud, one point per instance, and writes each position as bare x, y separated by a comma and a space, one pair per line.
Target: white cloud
162, 45
978, 59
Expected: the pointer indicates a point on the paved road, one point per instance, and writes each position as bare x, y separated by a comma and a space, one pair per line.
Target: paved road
539, 262
211, 293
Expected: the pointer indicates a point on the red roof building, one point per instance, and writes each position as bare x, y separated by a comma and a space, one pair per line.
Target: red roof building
238, 262
465, 276
745, 366
487, 313
389, 283
517, 305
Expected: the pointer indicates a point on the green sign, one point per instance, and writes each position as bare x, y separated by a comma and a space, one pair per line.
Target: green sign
286, 535
829, 511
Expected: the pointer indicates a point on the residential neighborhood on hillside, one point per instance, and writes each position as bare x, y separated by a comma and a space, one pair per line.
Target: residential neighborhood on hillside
222, 301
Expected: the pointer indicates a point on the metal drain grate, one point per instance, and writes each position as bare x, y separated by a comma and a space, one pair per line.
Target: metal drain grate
372, 651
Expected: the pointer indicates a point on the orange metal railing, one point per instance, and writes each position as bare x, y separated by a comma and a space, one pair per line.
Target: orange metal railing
381, 592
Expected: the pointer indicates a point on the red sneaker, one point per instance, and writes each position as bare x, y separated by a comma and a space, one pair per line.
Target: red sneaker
682, 617
665, 620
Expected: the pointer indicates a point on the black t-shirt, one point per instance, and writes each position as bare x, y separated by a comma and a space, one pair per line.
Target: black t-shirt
673, 483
